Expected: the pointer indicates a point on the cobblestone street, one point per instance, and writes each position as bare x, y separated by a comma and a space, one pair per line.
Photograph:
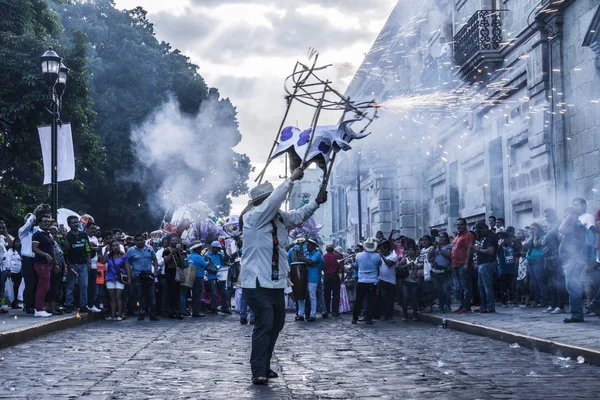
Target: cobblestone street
208, 359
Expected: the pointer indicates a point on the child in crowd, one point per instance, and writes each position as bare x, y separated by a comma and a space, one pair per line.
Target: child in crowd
410, 286
522, 276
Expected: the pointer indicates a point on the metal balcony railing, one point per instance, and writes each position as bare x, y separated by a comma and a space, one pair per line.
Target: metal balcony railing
481, 34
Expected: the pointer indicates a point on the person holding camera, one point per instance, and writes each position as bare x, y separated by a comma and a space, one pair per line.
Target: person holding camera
142, 259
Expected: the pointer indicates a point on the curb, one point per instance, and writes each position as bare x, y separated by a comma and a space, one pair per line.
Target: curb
24, 334
531, 342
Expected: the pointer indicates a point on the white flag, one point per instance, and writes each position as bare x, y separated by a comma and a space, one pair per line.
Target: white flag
65, 154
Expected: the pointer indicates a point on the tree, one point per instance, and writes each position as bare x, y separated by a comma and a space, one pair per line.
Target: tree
132, 75
27, 29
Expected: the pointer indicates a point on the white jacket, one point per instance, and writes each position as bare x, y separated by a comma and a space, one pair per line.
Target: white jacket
258, 239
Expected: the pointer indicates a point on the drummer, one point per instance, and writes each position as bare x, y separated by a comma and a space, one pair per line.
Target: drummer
314, 260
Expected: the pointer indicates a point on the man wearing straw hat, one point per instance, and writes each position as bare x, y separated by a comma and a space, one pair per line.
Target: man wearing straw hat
264, 270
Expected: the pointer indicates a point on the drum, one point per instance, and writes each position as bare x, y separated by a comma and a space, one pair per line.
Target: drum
299, 277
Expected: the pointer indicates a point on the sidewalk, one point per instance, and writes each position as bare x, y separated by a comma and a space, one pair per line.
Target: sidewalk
528, 327
18, 327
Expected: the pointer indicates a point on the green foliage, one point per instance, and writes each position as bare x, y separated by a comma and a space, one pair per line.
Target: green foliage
120, 74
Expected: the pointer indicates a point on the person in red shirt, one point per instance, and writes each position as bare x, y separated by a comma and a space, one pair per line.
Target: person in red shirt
331, 280
461, 257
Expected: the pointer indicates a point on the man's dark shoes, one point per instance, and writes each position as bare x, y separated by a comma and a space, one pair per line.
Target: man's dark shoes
179, 316
299, 318
572, 320
595, 307
311, 319
83, 310
325, 315
260, 380
154, 318
272, 374
15, 306
141, 317
354, 320
243, 321
198, 315
30, 311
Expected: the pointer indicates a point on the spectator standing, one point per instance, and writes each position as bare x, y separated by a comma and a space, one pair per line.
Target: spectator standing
426, 259
387, 280
507, 267
500, 225
27, 256
461, 259
216, 260
441, 273
78, 256
590, 276
485, 250
12, 259
573, 256
331, 280
368, 263
554, 269
410, 286
163, 287
117, 268
43, 248
92, 232
143, 263
537, 269
197, 260
492, 222
313, 259
174, 257
56, 279
522, 274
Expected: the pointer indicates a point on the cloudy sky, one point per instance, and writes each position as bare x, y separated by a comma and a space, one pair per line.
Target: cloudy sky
247, 47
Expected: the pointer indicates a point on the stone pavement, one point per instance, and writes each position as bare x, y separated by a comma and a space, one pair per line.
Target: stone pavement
330, 358
18, 327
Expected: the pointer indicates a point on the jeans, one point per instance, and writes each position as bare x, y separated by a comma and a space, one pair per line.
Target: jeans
364, 291
144, 293
486, 274
31, 282
320, 297
82, 280
244, 308
388, 292
556, 283
411, 288
537, 271
573, 270
269, 313
218, 287
197, 295
44, 272
508, 287
92, 290
443, 286
331, 292
183, 296
462, 281
312, 297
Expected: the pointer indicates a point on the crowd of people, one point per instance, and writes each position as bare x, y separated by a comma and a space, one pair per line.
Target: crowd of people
548, 265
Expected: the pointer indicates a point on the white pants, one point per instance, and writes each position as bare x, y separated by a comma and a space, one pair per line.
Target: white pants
312, 295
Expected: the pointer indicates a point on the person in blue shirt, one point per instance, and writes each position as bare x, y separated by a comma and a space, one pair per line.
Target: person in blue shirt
368, 263
314, 260
217, 260
197, 260
143, 262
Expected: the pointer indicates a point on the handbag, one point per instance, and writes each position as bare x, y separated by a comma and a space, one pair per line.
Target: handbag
187, 276
122, 277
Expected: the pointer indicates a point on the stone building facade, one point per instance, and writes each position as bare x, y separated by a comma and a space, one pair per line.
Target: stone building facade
489, 107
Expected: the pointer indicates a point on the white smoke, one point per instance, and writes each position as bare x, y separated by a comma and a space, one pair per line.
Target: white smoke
185, 158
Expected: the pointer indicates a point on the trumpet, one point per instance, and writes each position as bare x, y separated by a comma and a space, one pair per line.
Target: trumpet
343, 260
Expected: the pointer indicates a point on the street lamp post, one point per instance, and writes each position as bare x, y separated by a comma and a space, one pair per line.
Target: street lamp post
55, 75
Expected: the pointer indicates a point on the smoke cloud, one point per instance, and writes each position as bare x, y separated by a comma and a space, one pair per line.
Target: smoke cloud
188, 158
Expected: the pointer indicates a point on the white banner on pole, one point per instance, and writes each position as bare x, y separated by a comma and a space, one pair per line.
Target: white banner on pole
65, 153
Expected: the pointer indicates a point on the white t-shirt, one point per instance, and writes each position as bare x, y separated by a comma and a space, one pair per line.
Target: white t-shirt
161, 261
94, 240
388, 274
426, 263
587, 220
